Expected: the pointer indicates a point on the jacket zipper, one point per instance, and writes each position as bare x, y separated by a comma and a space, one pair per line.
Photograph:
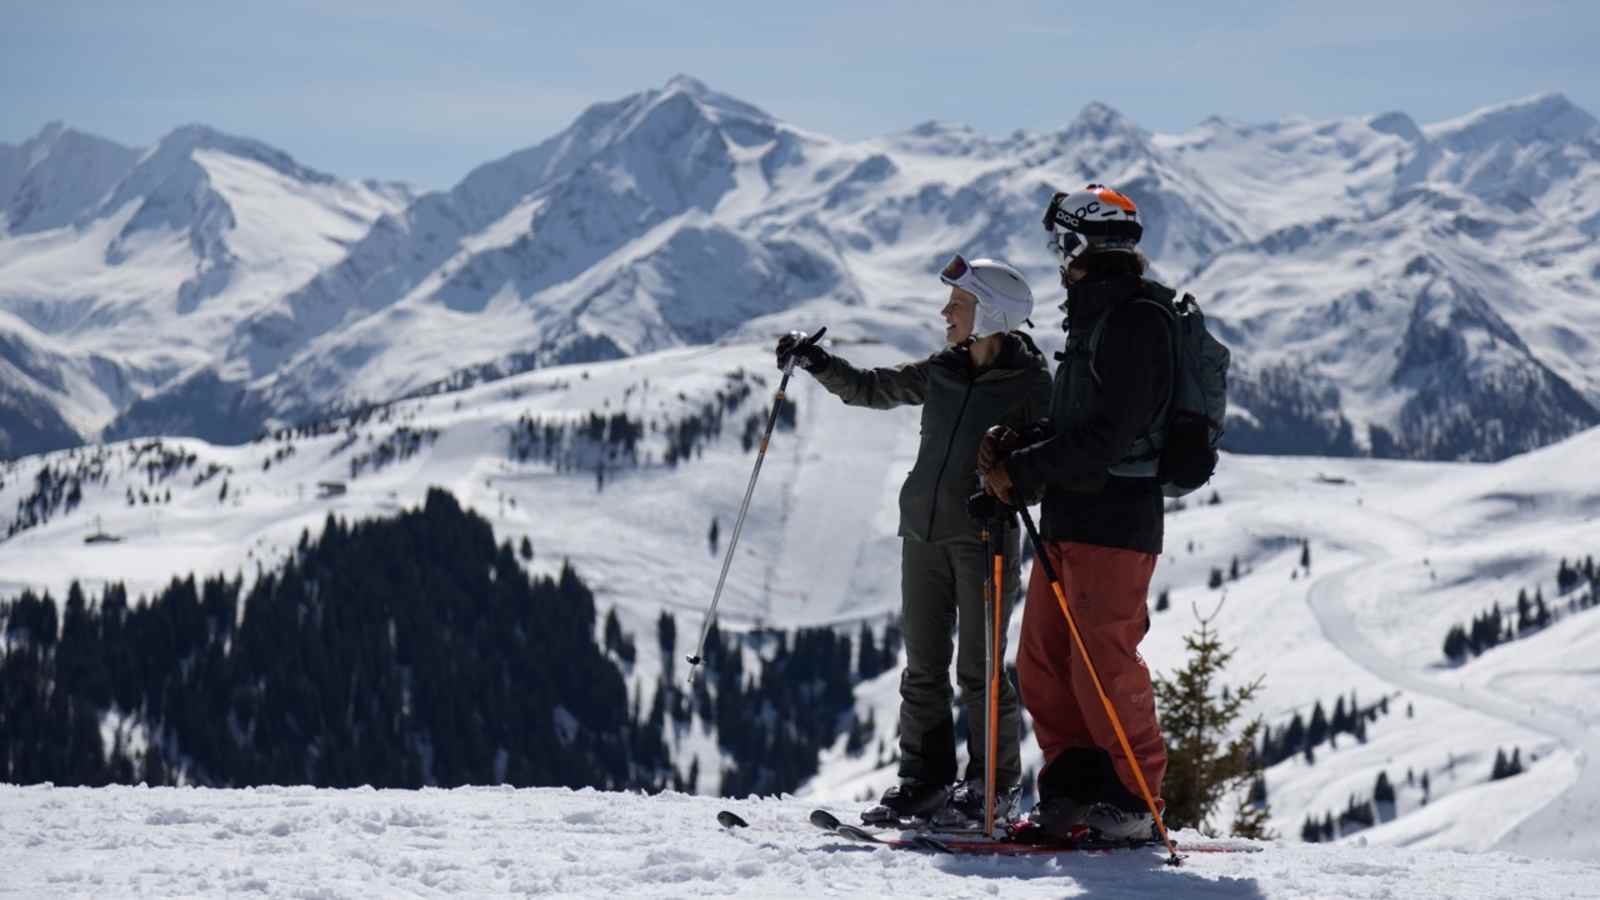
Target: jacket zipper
938, 480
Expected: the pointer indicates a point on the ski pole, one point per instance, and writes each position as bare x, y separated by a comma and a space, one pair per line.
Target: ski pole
993, 515
996, 535
772, 419
1111, 711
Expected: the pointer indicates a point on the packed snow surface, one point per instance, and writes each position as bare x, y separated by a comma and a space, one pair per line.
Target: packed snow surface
547, 842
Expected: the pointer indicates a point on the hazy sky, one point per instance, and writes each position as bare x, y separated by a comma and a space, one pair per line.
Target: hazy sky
424, 91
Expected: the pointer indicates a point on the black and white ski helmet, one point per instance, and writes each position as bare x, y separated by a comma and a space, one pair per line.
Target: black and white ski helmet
1096, 218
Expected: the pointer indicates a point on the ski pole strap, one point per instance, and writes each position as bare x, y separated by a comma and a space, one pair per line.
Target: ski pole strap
1088, 663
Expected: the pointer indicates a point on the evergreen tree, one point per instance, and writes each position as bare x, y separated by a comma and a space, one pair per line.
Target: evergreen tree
1318, 730
1215, 581
1233, 569
1294, 738
613, 632
1198, 715
869, 664
667, 637
527, 549
1383, 793
1305, 554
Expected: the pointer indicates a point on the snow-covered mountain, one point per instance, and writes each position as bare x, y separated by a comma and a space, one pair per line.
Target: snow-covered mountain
121, 271
1388, 288
1425, 292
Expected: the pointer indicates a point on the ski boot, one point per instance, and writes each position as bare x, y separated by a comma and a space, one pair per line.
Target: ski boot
964, 811
1112, 823
910, 799
1057, 820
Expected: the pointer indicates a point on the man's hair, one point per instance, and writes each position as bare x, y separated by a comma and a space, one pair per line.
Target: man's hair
1106, 264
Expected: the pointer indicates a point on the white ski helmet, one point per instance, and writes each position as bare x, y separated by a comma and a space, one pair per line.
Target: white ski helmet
1096, 218
1004, 299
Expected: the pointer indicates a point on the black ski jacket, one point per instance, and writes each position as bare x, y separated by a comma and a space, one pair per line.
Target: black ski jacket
958, 406
1094, 420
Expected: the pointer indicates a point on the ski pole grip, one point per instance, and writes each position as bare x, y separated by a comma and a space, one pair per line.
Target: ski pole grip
986, 507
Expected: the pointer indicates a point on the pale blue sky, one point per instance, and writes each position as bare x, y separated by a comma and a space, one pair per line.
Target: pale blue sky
424, 91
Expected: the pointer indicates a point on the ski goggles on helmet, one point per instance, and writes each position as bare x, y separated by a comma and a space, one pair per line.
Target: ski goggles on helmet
1066, 242
1067, 245
957, 273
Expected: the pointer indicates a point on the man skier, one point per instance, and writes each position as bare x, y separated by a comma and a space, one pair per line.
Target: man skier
990, 373
1101, 522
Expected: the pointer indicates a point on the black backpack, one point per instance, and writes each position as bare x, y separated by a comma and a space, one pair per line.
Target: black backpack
1182, 441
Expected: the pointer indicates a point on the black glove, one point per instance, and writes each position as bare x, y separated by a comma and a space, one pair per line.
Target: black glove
996, 445
807, 355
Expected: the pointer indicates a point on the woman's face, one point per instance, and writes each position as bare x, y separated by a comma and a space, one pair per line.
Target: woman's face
959, 315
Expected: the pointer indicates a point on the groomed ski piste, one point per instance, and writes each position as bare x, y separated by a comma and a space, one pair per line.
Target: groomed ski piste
1400, 551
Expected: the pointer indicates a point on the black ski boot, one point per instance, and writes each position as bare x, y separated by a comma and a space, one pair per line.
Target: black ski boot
1112, 823
910, 799
965, 809
1060, 818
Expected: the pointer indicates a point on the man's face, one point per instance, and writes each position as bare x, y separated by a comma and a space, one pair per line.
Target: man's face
959, 315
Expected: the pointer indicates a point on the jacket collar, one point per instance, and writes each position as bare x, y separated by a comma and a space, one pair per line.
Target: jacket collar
1088, 300
1017, 353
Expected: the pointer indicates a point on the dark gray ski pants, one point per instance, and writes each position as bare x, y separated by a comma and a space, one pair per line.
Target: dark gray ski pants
941, 595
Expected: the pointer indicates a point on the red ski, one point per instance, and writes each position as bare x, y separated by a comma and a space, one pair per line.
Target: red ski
1016, 845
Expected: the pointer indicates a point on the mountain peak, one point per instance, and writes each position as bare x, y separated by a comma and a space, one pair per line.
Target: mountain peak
687, 84
1398, 124
1548, 117
1101, 121
719, 104
182, 141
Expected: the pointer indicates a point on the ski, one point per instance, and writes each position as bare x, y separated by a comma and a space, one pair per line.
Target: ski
1022, 842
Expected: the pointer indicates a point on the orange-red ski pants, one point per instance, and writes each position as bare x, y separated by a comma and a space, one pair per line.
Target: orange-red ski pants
1106, 588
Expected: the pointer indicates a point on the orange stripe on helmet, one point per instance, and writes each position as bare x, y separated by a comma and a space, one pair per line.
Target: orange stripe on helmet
1117, 199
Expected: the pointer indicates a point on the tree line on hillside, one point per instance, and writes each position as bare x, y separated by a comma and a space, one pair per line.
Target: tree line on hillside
401, 652
599, 442
58, 485
395, 653
1383, 804
1494, 627
1300, 736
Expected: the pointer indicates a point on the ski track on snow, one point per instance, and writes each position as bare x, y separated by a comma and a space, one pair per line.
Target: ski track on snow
1401, 538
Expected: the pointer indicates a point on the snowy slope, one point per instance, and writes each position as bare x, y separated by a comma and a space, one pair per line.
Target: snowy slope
488, 842
1401, 550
